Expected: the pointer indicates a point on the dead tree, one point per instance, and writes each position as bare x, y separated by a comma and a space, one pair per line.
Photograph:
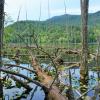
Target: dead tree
51, 90
1, 40
84, 65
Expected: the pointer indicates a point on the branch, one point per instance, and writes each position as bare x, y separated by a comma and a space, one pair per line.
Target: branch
21, 82
42, 50
25, 77
13, 65
33, 92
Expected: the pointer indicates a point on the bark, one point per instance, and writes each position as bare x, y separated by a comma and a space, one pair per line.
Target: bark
84, 65
54, 91
1, 41
54, 94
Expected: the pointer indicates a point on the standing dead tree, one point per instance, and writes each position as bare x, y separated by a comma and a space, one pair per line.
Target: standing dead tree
1, 40
84, 65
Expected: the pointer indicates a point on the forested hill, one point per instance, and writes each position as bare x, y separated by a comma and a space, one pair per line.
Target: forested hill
94, 18
54, 27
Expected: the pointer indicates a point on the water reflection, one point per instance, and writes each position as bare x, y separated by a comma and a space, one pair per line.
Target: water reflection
15, 92
37, 93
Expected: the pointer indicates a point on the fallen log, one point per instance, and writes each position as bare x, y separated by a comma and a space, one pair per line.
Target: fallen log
21, 82
54, 94
72, 52
13, 65
47, 81
25, 77
54, 91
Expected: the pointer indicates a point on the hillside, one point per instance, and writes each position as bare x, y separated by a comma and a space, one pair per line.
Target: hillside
54, 29
94, 18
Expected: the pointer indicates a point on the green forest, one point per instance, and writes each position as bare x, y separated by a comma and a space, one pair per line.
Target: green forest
58, 29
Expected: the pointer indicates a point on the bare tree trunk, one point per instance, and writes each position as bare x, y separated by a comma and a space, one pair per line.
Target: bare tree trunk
84, 65
1, 35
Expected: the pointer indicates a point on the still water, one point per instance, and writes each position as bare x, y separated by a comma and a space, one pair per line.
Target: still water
37, 93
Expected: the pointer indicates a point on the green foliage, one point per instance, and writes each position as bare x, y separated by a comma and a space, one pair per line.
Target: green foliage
8, 83
57, 30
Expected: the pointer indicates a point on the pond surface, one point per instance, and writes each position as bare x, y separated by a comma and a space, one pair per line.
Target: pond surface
75, 80
37, 93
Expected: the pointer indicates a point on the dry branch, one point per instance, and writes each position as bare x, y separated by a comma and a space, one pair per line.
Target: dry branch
25, 77
21, 82
13, 65
53, 92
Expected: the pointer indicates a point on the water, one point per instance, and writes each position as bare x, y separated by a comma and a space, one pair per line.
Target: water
37, 93
75, 75
14, 92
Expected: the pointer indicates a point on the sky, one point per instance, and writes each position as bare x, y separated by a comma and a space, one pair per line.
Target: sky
30, 9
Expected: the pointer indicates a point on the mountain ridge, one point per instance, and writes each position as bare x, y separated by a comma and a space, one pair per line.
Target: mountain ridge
75, 19
94, 18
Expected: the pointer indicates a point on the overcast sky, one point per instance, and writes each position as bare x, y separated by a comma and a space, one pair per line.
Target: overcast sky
32, 7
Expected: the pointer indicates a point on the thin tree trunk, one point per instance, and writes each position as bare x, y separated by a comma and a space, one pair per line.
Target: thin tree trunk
1, 40
84, 65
